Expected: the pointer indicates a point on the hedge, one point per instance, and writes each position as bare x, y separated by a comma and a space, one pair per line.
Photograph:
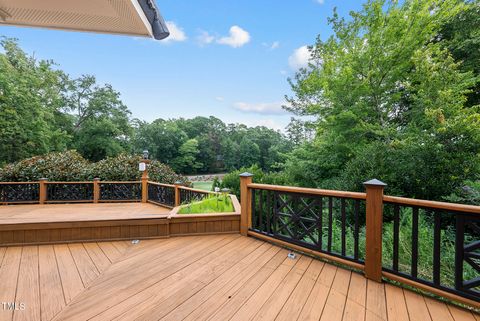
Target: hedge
71, 166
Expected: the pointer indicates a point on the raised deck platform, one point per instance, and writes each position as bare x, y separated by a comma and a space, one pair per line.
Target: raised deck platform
63, 223
216, 277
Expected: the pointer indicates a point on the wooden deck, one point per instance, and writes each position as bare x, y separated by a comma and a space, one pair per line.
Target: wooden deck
217, 277
67, 223
34, 213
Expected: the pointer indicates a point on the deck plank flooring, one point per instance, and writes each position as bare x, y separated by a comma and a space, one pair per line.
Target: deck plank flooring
217, 277
48, 213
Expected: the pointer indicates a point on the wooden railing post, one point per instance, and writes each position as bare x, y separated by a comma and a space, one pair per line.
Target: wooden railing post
374, 222
178, 201
96, 189
245, 203
145, 181
144, 187
42, 191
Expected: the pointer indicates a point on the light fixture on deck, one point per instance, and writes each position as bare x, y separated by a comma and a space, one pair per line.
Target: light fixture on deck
145, 154
291, 255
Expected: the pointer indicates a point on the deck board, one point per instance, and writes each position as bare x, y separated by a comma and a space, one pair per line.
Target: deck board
9, 278
51, 290
217, 277
34, 213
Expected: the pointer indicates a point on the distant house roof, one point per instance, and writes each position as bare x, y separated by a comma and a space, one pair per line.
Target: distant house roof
128, 17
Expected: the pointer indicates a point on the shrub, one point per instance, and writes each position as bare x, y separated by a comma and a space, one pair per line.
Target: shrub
232, 179
57, 166
71, 166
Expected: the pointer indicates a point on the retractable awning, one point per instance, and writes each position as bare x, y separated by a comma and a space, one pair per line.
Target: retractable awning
128, 17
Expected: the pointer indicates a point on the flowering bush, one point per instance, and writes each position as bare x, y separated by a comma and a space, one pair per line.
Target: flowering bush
71, 166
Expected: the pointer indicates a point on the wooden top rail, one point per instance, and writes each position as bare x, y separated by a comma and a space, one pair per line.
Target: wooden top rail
8, 183
196, 190
120, 182
433, 204
312, 191
161, 184
76, 182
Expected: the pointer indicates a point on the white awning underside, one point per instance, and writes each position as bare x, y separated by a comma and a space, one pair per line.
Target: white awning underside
104, 16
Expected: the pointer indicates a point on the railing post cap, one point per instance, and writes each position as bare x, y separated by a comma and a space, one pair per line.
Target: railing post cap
178, 183
43, 179
374, 182
96, 179
246, 174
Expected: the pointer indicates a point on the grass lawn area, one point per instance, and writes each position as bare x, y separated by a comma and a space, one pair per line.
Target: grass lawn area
213, 204
206, 186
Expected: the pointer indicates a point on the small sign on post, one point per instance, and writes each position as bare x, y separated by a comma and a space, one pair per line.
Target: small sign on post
142, 167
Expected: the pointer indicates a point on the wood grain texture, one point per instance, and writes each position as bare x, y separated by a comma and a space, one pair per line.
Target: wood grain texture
213, 277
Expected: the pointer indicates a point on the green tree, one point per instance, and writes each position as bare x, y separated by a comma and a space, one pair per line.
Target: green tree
389, 103
249, 153
101, 126
186, 162
461, 36
30, 104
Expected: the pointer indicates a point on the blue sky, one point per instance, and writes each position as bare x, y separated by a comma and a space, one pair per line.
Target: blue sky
230, 59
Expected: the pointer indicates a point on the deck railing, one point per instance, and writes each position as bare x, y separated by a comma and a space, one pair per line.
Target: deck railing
349, 228
96, 191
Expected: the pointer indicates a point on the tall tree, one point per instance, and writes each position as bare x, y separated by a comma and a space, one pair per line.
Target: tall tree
101, 124
30, 103
389, 103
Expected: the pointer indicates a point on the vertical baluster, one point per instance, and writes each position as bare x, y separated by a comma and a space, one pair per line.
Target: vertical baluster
396, 235
320, 224
260, 212
356, 233
330, 223
342, 202
275, 213
269, 211
255, 222
459, 248
436, 247
414, 242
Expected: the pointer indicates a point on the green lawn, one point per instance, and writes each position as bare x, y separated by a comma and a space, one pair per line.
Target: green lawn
207, 186
213, 204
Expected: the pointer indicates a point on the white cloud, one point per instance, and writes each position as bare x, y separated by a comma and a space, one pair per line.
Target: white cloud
320, 1
272, 46
299, 58
283, 72
219, 98
204, 38
237, 37
274, 108
176, 33
275, 45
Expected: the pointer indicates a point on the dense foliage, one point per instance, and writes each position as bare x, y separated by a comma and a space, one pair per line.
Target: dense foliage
71, 166
43, 110
202, 144
391, 92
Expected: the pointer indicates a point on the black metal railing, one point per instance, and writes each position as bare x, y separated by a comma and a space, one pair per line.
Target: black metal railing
188, 195
19, 192
325, 224
161, 193
120, 191
69, 192
437, 247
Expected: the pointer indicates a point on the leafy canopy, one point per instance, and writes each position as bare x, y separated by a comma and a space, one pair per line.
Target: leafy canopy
389, 102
